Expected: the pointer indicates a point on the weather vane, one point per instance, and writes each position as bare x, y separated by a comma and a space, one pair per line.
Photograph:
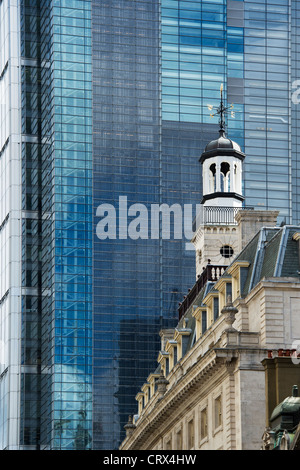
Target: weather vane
222, 110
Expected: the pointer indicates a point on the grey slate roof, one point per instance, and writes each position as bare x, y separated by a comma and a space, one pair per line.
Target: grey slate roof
271, 253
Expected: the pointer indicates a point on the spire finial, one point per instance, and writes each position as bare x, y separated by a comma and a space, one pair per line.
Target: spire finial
221, 110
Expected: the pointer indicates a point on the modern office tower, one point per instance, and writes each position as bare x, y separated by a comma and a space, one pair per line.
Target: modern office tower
109, 102
137, 283
46, 225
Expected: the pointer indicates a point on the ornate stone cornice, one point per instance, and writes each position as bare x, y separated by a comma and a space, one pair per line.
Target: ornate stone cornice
161, 407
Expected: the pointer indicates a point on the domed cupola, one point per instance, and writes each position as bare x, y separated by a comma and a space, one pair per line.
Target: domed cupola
222, 169
220, 145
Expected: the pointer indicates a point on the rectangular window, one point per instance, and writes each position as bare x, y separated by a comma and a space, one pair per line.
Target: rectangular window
167, 366
204, 322
179, 440
191, 434
203, 424
228, 291
216, 308
218, 411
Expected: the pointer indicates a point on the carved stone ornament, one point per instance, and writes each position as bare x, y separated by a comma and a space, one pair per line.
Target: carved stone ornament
162, 383
229, 312
129, 427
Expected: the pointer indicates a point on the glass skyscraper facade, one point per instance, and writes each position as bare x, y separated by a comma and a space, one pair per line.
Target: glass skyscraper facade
46, 225
248, 46
127, 163
109, 102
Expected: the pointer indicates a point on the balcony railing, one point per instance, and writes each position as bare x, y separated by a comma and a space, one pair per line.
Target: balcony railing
218, 215
211, 273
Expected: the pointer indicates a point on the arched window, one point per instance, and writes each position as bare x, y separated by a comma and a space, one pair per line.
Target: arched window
225, 177
212, 178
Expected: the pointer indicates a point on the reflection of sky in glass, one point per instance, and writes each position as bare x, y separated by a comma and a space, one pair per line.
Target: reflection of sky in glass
267, 168
191, 36
246, 48
72, 154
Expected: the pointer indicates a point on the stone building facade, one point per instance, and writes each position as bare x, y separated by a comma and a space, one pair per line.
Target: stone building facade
209, 389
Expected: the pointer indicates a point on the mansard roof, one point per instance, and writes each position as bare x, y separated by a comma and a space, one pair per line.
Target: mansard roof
272, 253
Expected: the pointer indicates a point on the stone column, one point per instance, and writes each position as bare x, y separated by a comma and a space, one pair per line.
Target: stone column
232, 178
206, 179
218, 177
